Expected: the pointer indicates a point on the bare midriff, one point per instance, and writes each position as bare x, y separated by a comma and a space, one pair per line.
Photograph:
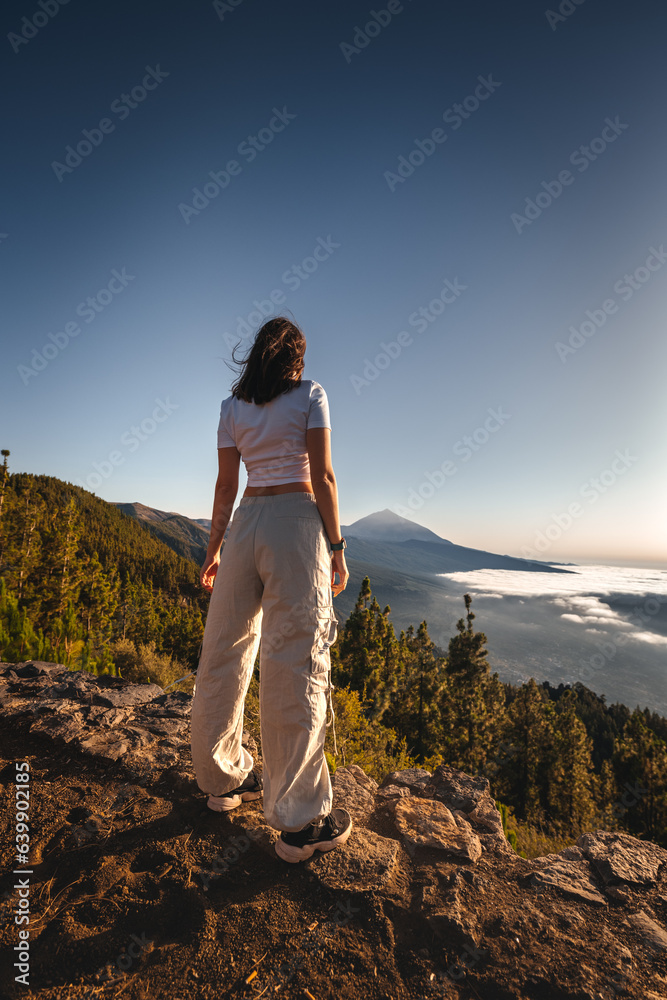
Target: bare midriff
268, 491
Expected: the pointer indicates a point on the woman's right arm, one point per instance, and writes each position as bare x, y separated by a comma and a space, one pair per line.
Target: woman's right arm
323, 480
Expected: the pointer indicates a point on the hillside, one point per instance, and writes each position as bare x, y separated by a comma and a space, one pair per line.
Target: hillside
136, 889
186, 537
404, 560
79, 575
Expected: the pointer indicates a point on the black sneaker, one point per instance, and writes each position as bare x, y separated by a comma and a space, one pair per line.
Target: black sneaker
250, 789
324, 835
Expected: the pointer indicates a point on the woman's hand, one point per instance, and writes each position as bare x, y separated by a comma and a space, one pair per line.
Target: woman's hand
209, 570
339, 566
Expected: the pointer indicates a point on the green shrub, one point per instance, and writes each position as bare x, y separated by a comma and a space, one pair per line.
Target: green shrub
143, 665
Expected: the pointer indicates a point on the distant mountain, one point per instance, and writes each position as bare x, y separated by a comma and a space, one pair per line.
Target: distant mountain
186, 537
385, 526
404, 561
394, 542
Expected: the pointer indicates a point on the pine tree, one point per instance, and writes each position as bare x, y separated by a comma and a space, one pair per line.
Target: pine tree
640, 766
4, 476
98, 596
473, 704
30, 545
415, 703
528, 736
360, 659
570, 774
61, 571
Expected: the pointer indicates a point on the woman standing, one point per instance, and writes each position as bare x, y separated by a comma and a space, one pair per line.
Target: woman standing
275, 580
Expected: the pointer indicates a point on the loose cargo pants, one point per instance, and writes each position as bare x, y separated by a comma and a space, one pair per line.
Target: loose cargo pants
273, 584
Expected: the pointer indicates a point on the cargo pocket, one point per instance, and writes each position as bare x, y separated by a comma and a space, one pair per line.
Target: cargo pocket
326, 631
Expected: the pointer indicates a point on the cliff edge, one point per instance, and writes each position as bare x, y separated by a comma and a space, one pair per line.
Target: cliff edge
135, 888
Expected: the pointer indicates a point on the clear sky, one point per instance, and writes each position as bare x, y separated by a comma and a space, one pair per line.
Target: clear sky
462, 205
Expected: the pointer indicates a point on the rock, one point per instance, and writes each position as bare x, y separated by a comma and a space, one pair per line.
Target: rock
65, 724
355, 791
618, 895
457, 789
457, 927
386, 792
486, 814
34, 668
571, 878
106, 745
366, 863
176, 703
128, 696
618, 857
416, 779
653, 934
471, 798
362, 778
571, 853
427, 823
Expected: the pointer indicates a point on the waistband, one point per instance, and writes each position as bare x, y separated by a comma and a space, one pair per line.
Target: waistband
279, 498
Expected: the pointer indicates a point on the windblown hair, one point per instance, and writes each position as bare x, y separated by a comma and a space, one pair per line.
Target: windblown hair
274, 362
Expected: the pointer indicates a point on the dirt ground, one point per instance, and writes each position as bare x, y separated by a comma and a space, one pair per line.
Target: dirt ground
143, 892
127, 900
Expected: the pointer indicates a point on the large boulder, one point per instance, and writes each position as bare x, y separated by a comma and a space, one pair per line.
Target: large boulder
355, 791
426, 823
618, 857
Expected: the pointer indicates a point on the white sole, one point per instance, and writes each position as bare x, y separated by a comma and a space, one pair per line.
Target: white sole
220, 803
288, 852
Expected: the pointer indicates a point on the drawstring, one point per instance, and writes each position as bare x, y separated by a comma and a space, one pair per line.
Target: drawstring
326, 647
332, 720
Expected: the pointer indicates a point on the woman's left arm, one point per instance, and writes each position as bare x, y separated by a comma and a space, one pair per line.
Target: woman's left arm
226, 488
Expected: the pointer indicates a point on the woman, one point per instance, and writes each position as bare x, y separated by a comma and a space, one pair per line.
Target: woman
275, 577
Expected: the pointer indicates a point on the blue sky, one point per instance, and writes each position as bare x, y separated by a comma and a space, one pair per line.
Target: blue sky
521, 411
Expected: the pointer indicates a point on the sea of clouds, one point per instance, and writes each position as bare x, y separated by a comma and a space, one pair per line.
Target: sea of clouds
604, 626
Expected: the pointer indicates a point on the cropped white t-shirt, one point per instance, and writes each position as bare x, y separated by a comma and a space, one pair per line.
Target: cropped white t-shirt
271, 437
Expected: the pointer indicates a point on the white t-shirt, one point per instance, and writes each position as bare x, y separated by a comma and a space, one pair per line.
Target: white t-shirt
271, 437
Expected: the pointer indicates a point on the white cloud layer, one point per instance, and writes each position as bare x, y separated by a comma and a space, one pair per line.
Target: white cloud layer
581, 593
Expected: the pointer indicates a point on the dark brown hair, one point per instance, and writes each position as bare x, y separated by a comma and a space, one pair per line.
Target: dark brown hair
274, 362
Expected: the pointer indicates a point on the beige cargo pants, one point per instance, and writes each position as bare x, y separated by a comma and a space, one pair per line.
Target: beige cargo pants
273, 583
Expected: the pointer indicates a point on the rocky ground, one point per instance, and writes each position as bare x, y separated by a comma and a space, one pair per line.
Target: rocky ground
135, 889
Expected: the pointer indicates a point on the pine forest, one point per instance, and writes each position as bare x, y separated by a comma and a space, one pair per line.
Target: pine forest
85, 585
